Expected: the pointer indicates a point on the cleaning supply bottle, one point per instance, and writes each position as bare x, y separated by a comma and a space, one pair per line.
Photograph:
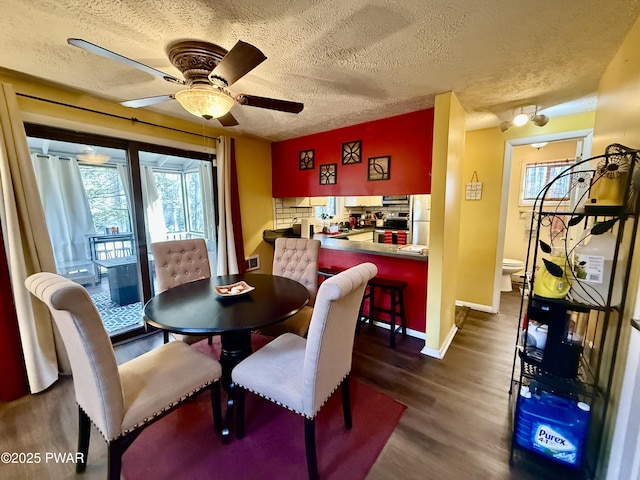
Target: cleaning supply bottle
548, 285
593, 264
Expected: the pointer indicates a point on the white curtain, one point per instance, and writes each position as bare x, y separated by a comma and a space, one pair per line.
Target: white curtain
205, 171
123, 173
156, 228
227, 261
27, 246
66, 209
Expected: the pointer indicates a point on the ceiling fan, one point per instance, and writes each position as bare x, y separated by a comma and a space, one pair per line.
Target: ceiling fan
208, 70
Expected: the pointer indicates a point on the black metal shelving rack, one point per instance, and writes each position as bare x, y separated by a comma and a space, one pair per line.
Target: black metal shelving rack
550, 369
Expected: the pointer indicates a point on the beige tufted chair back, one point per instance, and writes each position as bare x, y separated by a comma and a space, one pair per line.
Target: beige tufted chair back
180, 261
297, 259
95, 370
120, 400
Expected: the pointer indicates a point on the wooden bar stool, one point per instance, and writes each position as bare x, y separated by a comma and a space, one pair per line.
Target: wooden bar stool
396, 306
326, 272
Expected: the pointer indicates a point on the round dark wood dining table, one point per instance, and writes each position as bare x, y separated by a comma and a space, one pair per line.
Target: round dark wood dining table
195, 308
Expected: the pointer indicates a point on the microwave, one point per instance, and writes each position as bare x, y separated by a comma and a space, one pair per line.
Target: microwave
395, 200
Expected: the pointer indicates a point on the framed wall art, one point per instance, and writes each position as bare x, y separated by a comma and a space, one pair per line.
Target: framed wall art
328, 173
352, 152
379, 168
306, 159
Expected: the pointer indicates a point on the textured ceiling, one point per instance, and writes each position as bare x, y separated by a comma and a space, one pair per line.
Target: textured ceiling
347, 61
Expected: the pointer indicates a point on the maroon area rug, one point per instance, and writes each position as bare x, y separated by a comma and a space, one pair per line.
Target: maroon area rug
183, 445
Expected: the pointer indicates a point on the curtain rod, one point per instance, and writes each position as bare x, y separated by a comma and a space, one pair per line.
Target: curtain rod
133, 119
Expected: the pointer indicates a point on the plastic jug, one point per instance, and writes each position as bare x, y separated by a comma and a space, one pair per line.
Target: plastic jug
593, 264
553, 426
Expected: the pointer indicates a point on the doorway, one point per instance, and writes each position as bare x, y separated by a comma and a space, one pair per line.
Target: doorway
105, 200
512, 243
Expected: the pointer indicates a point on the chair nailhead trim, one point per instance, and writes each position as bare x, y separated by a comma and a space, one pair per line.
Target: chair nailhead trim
293, 410
155, 414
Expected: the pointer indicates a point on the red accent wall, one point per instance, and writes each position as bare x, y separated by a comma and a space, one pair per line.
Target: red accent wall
407, 139
414, 272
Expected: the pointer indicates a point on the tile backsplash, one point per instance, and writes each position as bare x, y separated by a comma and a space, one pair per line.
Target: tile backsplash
286, 216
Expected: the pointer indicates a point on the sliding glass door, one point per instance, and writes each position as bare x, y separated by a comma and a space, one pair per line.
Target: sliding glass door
105, 201
178, 200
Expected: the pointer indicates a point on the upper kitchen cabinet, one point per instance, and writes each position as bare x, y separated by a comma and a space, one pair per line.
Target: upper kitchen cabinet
364, 201
304, 201
299, 165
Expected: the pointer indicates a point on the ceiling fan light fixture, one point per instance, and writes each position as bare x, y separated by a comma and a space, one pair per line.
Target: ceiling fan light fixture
205, 101
93, 157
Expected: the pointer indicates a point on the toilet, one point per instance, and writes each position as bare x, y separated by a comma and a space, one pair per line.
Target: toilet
509, 267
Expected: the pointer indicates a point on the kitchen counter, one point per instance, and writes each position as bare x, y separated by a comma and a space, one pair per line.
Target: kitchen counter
340, 254
353, 231
341, 242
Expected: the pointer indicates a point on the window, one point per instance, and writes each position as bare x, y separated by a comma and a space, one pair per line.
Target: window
194, 202
334, 209
106, 197
169, 186
535, 176
328, 209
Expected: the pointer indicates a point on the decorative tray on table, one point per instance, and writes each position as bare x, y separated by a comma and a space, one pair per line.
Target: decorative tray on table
233, 290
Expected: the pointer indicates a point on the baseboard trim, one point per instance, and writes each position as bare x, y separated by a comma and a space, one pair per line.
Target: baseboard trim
476, 306
439, 354
410, 332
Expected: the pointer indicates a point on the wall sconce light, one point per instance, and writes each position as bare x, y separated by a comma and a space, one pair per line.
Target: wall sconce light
526, 114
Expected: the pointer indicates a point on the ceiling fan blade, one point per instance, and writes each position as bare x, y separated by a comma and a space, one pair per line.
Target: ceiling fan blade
145, 102
269, 103
228, 120
103, 52
239, 61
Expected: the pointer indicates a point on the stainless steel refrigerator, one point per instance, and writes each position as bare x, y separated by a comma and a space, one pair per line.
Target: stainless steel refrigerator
420, 219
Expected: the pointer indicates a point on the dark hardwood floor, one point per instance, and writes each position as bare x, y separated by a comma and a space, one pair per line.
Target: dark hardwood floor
457, 424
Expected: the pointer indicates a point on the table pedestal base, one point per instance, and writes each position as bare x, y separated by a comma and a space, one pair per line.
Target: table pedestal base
236, 346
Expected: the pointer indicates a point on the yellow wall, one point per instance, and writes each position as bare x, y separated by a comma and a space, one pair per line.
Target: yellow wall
480, 220
618, 121
446, 183
254, 180
253, 155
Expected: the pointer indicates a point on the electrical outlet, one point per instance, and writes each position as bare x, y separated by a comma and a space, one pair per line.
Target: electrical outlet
253, 263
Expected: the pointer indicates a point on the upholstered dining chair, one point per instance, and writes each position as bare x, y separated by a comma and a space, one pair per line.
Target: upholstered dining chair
120, 400
301, 374
297, 259
177, 262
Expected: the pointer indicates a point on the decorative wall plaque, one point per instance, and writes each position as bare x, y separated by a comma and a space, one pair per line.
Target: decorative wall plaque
306, 159
352, 152
328, 174
379, 168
